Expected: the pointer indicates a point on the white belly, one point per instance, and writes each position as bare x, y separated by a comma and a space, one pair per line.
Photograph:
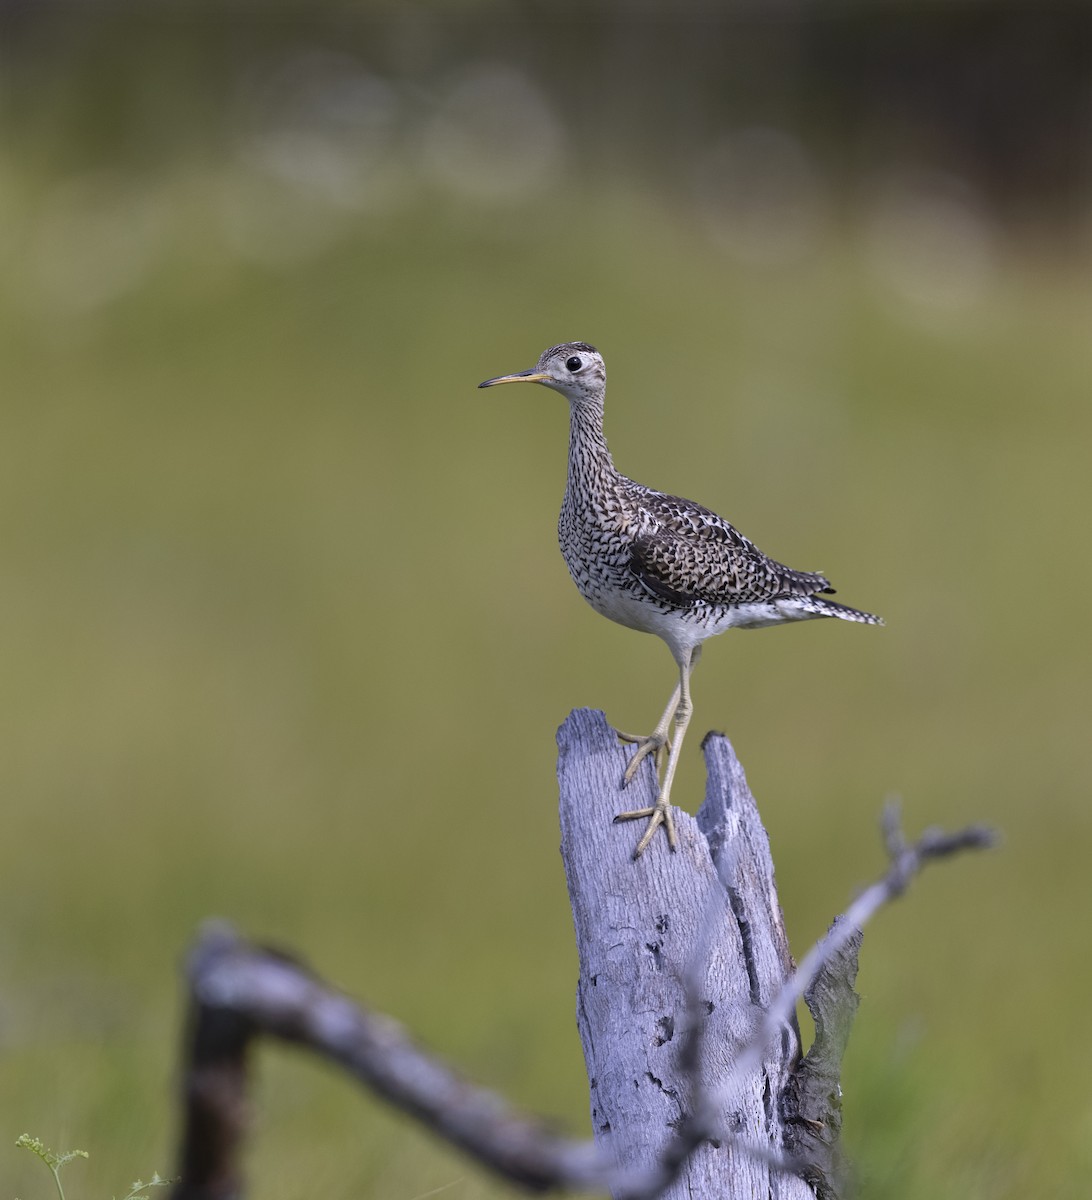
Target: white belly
688, 627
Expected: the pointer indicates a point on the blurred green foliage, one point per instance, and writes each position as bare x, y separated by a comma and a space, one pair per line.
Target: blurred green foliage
286, 635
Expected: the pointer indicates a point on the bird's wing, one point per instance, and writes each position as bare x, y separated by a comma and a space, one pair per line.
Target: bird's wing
683, 553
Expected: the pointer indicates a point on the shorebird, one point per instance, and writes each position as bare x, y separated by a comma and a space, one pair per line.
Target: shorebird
660, 564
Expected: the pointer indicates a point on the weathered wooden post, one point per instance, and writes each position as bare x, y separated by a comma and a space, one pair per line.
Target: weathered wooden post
651, 931
686, 1008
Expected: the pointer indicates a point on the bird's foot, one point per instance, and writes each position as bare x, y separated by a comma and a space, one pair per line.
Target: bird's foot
656, 743
659, 814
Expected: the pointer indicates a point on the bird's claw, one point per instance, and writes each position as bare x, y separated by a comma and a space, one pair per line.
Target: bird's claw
658, 744
659, 814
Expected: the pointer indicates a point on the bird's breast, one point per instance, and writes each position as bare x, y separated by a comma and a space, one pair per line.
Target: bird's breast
597, 545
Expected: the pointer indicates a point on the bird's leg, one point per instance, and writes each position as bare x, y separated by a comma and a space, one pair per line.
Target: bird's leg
660, 813
658, 742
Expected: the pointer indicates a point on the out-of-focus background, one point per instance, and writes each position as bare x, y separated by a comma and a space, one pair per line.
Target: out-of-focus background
284, 632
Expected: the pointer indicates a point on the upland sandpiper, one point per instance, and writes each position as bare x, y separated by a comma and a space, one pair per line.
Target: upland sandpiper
660, 564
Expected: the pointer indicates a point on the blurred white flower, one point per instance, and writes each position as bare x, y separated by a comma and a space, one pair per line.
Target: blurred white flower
930, 241
324, 125
92, 238
315, 146
269, 222
494, 137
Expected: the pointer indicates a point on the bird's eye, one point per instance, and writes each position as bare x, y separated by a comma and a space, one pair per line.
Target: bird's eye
574, 364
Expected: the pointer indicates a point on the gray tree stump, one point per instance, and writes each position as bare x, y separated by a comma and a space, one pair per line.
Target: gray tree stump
642, 929
686, 1008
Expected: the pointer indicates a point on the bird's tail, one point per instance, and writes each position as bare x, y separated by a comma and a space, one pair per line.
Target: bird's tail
830, 608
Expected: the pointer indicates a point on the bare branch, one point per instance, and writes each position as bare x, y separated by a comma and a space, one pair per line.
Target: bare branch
812, 1102
835, 957
722, 1061
238, 990
906, 860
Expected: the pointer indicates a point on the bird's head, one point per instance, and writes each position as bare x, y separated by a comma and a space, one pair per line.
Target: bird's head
574, 369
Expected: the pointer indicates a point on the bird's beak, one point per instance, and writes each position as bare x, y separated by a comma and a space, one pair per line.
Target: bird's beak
519, 377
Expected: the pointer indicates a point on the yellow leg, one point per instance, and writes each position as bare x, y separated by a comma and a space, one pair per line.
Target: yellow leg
679, 710
658, 742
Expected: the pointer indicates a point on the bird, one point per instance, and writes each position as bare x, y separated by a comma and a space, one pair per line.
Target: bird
660, 564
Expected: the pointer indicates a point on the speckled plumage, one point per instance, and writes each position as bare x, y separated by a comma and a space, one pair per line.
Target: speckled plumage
660, 563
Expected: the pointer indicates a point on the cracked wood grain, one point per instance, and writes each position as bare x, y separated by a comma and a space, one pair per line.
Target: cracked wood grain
705, 917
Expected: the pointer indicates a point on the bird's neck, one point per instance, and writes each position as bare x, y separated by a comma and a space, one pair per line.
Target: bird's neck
589, 459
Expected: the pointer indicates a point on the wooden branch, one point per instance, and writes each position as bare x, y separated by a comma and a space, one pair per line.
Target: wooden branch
215, 1104
238, 991
812, 1103
840, 946
686, 999
686, 1008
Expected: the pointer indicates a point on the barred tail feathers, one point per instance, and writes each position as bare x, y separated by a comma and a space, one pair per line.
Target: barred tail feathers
830, 608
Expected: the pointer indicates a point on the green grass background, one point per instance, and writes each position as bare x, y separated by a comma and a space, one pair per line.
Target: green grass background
286, 637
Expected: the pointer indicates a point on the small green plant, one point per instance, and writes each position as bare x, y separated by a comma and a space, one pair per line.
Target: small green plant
55, 1161
51, 1159
139, 1188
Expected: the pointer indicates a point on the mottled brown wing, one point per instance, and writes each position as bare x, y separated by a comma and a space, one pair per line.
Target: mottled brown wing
688, 554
